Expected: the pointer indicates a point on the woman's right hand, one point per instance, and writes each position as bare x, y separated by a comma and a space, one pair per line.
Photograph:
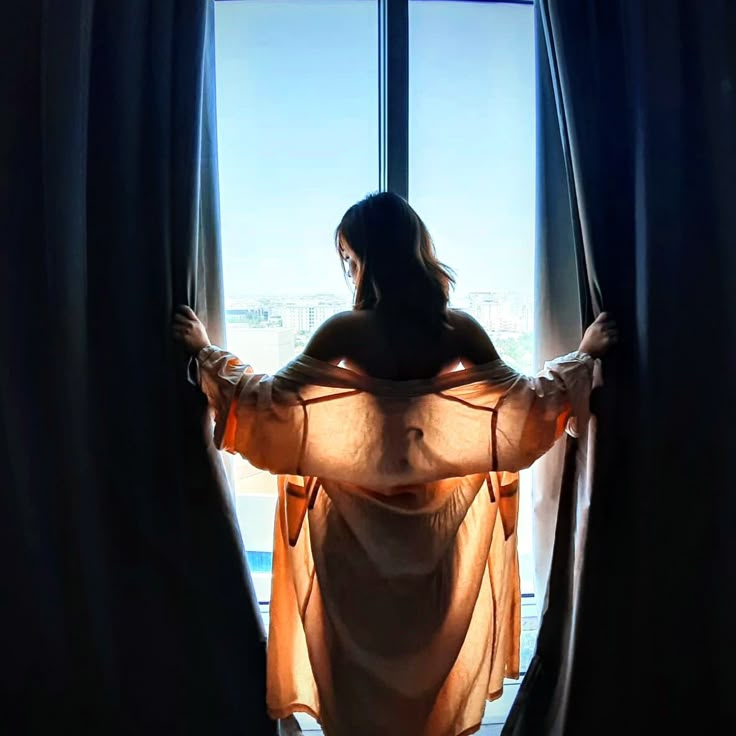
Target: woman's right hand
599, 337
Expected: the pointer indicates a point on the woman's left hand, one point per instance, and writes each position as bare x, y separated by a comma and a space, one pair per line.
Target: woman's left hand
188, 331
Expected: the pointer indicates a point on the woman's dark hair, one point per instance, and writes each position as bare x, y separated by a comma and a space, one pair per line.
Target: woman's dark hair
397, 273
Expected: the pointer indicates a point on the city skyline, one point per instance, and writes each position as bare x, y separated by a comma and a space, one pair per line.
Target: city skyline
496, 311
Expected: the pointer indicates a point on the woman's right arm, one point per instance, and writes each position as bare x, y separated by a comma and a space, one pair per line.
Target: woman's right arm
541, 407
561, 392
599, 337
473, 346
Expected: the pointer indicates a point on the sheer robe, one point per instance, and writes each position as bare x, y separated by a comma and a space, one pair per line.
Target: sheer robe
395, 605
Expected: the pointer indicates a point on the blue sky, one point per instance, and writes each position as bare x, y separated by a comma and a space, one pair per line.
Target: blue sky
298, 137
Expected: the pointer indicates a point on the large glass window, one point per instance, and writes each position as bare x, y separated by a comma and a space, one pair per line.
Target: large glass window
298, 125
303, 87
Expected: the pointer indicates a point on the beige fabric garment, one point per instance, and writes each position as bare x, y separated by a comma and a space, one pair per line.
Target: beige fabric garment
395, 604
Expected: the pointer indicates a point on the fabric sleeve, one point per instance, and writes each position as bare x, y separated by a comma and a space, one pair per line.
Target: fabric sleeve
537, 410
256, 417
571, 375
220, 374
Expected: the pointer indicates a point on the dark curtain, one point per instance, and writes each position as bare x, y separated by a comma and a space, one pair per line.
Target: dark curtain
126, 602
637, 139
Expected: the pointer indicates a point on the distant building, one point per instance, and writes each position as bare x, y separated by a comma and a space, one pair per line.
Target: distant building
306, 316
248, 315
501, 311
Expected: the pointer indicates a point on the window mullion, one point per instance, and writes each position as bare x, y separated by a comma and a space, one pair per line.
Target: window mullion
393, 87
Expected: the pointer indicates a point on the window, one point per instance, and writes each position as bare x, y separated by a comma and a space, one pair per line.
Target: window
323, 101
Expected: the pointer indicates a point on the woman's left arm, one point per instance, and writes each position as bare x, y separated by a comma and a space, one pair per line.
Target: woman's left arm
189, 331
220, 372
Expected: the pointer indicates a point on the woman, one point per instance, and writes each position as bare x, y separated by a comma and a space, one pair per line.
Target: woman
397, 437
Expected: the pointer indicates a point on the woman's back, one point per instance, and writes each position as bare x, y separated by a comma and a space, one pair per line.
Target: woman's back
396, 612
400, 348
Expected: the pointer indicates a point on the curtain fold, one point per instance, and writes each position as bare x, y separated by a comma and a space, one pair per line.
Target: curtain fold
635, 636
127, 603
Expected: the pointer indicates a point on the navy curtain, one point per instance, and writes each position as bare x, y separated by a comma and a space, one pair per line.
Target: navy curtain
638, 161
126, 600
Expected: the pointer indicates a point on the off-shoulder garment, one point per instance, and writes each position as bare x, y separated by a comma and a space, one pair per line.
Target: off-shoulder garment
395, 605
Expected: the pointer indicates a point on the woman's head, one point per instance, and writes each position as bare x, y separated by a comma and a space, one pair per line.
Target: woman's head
388, 252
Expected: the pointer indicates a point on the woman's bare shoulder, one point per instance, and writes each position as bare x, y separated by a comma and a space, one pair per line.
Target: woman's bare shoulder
335, 336
351, 335
472, 342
